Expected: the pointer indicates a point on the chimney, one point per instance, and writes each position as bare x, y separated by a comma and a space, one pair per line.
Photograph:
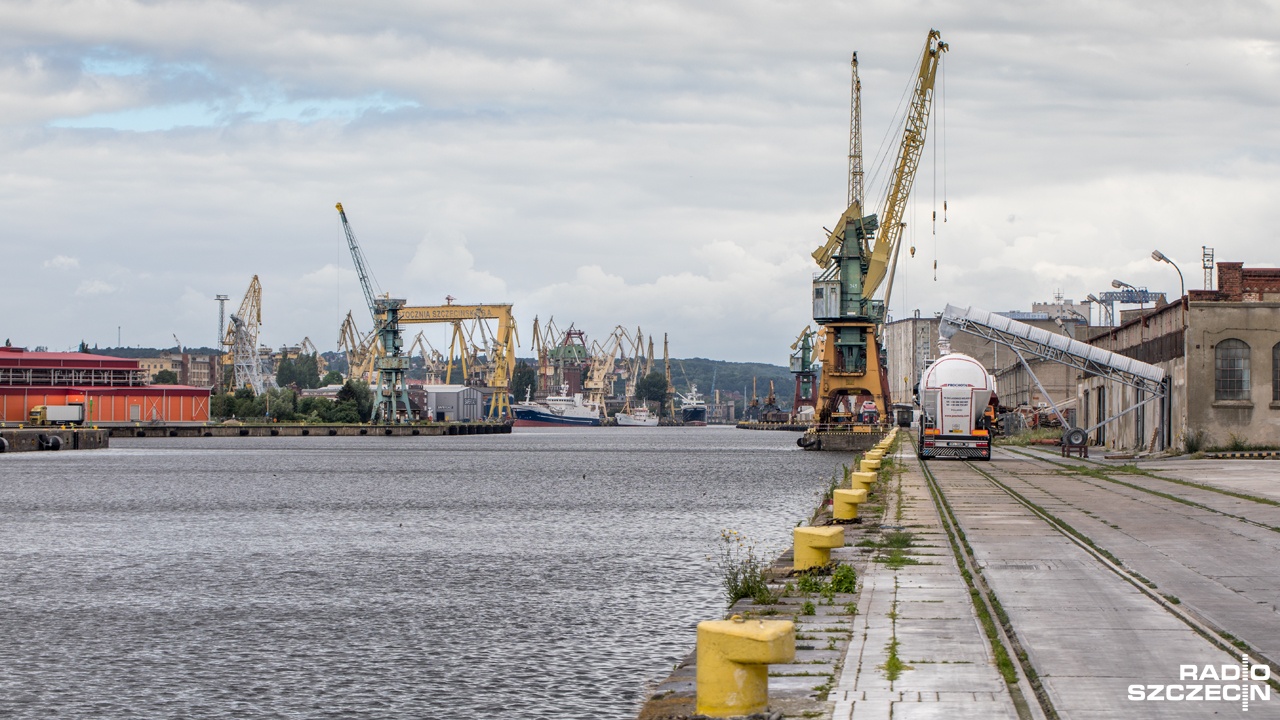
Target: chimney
1231, 280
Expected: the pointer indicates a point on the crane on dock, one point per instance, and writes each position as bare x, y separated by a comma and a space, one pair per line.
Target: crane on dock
857, 256
241, 342
391, 395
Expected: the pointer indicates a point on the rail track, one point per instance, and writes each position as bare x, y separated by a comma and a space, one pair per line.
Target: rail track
1102, 578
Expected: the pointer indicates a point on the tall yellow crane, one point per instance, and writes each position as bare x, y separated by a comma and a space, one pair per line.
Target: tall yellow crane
855, 260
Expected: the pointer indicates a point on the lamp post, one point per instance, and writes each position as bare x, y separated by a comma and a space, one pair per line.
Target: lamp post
1111, 320
1161, 257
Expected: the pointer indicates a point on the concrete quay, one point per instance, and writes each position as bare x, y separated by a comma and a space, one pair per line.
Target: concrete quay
300, 430
1034, 586
919, 650
51, 438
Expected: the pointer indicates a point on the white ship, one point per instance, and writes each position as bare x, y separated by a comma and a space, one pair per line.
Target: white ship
639, 417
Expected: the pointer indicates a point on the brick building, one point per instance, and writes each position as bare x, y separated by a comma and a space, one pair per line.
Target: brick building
1221, 352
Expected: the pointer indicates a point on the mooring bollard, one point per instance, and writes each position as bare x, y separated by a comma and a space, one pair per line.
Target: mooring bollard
812, 545
844, 503
873, 454
866, 465
733, 663
861, 480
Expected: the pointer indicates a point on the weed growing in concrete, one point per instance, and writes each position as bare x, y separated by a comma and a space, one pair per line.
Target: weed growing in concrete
742, 573
898, 539
844, 579
893, 665
897, 559
808, 608
809, 583
851, 608
1023, 439
1194, 441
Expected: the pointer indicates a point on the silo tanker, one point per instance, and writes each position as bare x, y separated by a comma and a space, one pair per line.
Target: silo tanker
957, 402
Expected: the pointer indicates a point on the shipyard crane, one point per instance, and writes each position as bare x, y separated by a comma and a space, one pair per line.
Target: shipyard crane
502, 361
361, 350
241, 341
391, 396
856, 258
433, 361
602, 366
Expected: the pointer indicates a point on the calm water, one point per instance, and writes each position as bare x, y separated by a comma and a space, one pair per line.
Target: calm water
547, 573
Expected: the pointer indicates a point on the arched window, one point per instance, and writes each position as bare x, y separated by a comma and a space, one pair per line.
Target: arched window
1275, 373
1231, 370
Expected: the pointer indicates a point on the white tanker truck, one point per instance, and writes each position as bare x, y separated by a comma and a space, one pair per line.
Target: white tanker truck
957, 402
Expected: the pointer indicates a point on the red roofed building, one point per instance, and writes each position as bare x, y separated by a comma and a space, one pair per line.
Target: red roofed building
111, 390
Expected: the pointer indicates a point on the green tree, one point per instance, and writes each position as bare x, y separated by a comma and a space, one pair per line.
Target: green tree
222, 406
333, 377
281, 404
286, 373
652, 387
306, 371
358, 392
165, 377
523, 381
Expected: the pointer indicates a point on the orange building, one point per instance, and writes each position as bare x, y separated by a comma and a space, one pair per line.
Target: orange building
111, 390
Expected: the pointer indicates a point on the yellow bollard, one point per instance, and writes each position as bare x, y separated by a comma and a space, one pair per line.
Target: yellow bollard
844, 503
733, 663
869, 465
861, 480
813, 545
873, 454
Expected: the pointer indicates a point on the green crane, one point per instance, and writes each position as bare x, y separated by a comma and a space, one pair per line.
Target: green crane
391, 397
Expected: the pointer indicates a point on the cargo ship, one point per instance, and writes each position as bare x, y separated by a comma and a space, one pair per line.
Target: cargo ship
557, 411
693, 409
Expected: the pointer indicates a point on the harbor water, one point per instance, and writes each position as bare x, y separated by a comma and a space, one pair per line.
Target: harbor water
544, 574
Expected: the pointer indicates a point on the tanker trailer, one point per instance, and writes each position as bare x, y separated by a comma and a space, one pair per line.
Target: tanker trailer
957, 398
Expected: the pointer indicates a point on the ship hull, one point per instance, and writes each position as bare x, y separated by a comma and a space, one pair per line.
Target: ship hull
527, 417
693, 415
625, 420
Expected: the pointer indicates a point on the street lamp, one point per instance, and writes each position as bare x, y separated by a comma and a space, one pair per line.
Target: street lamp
1142, 304
1111, 320
1161, 257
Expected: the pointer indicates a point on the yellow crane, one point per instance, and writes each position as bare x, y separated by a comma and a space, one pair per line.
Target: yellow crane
362, 350
856, 259
504, 342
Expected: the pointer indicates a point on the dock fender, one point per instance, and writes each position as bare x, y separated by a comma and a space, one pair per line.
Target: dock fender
4, 445
49, 442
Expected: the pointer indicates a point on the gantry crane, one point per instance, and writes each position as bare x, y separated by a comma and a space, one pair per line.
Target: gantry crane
241, 341
855, 260
503, 358
804, 404
391, 396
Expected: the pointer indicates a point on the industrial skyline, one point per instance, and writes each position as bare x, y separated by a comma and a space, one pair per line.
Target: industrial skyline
664, 165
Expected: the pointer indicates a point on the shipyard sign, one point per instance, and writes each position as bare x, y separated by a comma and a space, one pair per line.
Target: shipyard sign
1243, 683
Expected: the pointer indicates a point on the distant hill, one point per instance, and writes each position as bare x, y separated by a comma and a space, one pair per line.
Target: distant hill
733, 378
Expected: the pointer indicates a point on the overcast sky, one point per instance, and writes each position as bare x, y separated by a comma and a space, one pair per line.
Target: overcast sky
666, 165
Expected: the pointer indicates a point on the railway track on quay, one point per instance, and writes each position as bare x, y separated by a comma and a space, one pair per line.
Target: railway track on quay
1102, 578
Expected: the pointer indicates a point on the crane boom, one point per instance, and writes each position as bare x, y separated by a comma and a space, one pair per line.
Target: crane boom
362, 268
909, 151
